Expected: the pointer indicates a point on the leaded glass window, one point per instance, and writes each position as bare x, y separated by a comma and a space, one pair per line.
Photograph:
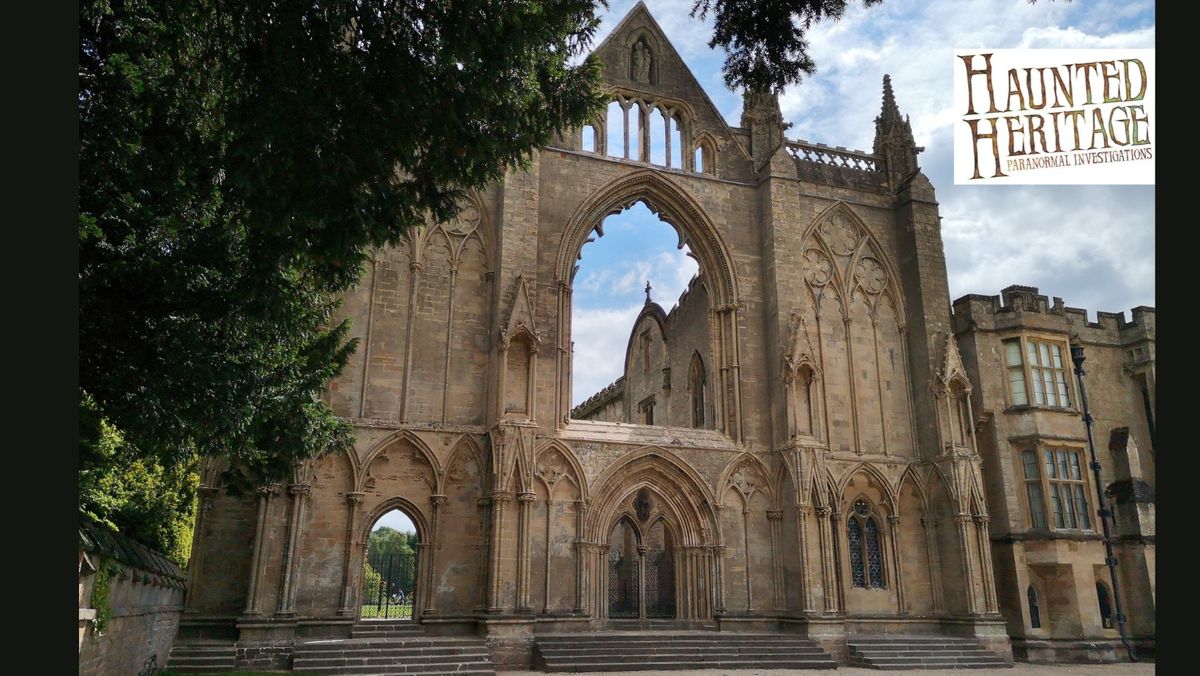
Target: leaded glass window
1039, 376
1035, 615
1061, 482
866, 551
854, 535
874, 556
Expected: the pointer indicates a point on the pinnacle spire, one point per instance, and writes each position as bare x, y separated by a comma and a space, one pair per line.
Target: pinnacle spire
894, 143
890, 110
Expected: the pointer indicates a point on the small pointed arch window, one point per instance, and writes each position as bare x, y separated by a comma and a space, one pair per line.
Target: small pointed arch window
863, 539
588, 142
705, 158
1035, 612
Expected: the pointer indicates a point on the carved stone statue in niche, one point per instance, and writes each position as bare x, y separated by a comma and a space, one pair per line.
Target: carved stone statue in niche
642, 59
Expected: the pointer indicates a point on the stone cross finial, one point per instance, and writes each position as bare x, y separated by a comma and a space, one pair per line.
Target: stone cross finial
648, 292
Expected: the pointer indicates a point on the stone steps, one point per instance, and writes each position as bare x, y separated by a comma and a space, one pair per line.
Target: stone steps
412, 654
385, 629
921, 652
667, 651
199, 658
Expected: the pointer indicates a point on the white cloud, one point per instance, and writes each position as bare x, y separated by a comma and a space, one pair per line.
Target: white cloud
599, 356
1092, 246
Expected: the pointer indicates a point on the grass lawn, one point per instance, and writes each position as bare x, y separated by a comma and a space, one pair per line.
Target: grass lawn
391, 612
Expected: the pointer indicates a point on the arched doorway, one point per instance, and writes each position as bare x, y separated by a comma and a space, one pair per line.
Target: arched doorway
641, 571
389, 577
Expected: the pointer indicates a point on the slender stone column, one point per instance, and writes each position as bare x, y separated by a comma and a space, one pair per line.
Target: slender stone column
546, 559
438, 504
719, 578
524, 507
828, 561
353, 500
775, 516
802, 513
581, 576
985, 560
934, 560
259, 556
291, 560
964, 549
835, 529
746, 548
499, 499
641, 550
898, 575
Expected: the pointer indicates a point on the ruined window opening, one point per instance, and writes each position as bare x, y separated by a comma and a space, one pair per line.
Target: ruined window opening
588, 143
631, 342
615, 119
658, 138
674, 143
646, 410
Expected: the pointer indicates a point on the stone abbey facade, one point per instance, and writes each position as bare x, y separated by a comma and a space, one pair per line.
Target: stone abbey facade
812, 441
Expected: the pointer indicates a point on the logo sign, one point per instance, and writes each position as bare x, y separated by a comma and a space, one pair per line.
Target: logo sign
1054, 116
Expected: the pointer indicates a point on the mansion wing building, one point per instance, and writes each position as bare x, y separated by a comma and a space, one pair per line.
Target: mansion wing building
813, 440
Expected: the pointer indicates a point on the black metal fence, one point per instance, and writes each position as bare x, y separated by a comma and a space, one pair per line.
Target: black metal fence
388, 587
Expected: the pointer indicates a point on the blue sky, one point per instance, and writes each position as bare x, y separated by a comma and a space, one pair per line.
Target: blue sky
1091, 245
397, 520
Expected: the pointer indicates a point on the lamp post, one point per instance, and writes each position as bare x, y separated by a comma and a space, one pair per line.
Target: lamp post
1105, 515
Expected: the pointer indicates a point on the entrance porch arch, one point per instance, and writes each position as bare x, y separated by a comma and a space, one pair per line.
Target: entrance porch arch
651, 489
673, 205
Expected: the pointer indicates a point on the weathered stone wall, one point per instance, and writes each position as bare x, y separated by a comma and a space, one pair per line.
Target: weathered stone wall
145, 597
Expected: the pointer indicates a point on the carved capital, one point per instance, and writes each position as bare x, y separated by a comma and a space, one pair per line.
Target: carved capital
267, 490
824, 512
527, 496
642, 549
438, 500
962, 518
300, 489
355, 498
501, 496
774, 514
894, 519
982, 518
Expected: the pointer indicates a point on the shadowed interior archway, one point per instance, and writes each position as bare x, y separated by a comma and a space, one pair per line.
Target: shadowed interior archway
652, 501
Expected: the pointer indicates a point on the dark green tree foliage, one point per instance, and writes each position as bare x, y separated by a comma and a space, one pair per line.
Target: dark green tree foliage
148, 500
389, 546
239, 159
764, 42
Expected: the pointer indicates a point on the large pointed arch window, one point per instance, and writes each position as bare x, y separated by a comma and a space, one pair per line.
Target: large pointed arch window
863, 538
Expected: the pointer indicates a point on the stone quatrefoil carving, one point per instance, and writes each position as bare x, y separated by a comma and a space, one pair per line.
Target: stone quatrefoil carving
551, 468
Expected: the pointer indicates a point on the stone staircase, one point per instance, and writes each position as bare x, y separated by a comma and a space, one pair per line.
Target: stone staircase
202, 657
386, 629
921, 652
663, 651
393, 647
